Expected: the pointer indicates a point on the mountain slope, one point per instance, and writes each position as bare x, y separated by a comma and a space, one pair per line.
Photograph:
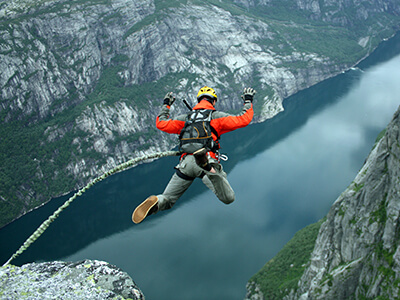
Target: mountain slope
82, 80
356, 252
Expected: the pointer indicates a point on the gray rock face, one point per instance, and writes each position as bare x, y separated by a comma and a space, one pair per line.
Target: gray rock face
87, 279
62, 50
357, 252
49, 58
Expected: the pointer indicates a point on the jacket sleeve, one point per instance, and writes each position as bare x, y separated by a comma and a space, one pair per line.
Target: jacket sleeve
166, 124
224, 122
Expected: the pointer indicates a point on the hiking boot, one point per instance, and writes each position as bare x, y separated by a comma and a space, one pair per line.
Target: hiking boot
146, 208
202, 159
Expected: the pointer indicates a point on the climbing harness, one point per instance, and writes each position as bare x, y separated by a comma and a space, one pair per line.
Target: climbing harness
39, 231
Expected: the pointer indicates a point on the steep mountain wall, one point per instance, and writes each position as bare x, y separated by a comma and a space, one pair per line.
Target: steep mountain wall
82, 81
356, 254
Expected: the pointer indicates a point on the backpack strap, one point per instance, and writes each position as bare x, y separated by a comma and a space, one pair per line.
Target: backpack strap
217, 146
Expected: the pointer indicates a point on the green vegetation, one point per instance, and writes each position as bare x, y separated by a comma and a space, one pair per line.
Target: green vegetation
342, 211
42, 7
379, 215
339, 44
282, 273
28, 165
379, 137
353, 220
358, 187
161, 7
386, 268
284, 10
111, 88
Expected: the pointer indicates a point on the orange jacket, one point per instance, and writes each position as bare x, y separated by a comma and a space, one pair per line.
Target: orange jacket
222, 122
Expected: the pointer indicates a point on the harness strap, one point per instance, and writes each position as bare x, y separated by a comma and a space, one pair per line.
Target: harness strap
184, 176
215, 132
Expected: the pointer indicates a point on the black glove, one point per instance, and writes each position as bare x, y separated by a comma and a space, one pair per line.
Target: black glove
169, 99
248, 94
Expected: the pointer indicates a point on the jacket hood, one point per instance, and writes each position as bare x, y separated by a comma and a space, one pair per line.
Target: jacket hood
204, 104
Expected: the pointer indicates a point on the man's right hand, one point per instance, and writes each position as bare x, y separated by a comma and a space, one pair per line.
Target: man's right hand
169, 99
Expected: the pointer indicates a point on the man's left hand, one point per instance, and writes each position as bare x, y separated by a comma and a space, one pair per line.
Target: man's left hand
169, 99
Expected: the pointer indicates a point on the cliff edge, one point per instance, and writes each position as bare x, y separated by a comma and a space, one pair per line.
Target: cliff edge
89, 279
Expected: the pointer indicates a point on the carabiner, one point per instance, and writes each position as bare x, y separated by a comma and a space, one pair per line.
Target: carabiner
223, 157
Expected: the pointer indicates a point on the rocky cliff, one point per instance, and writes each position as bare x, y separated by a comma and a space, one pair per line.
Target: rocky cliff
82, 81
356, 254
87, 279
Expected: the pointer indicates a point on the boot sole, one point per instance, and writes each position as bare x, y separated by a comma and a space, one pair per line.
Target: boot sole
143, 209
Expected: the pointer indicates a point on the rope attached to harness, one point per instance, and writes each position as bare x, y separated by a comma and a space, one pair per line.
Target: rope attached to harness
39, 231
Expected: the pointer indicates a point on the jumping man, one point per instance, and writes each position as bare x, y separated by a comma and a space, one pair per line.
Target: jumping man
200, 158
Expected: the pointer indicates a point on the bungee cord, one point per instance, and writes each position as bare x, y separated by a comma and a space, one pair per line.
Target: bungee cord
39, 231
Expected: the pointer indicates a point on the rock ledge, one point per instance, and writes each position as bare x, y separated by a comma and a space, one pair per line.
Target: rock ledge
89, 279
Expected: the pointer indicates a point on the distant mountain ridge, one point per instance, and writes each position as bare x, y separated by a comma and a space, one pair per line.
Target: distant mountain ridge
353, 253
82, 80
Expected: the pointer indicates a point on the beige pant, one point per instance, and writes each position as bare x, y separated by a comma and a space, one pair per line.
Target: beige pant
216, 182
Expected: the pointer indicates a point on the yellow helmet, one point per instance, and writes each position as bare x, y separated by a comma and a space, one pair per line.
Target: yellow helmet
207, 92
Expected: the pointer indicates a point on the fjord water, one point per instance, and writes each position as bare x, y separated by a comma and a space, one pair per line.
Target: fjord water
286, 172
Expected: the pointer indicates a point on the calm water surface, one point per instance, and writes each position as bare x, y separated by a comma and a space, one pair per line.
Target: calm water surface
286, 172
